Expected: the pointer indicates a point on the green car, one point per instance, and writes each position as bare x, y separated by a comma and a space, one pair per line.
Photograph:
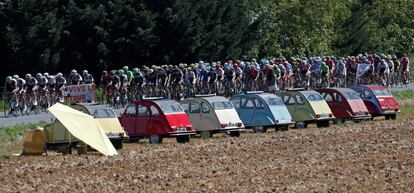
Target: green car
306, 106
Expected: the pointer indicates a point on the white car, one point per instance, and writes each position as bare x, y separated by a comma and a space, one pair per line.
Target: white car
213, 114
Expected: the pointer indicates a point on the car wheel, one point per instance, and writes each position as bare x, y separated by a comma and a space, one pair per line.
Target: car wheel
387, 117
259, 129
183, 139
338, 121
235, 133
118, 144
206, 134
155, 139
394, 116
320, 124
300, 125
282, 128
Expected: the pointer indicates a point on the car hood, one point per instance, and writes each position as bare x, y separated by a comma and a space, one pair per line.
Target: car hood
281, 114
320, 107
357, 105
178, 120
228, 115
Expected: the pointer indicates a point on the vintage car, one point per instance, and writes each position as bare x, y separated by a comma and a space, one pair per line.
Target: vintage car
261, 111
157, 118
57, 135
306, 106
345, 104
213, 114
378, 101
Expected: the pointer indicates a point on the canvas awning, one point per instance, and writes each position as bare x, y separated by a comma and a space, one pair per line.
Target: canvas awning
84, 127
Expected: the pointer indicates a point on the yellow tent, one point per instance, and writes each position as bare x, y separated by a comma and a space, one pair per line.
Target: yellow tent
84, 127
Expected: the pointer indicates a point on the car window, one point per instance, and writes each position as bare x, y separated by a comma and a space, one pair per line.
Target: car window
313, 96
337, 97
288, 100
351, 95
247, 103
381, 93
104, 113
205, 107
222, 105
142, 111
273, 101
366, 94
300, 100
154, 111
194, 107
131, 110
186, 106
327, 97
236, 102
259, 104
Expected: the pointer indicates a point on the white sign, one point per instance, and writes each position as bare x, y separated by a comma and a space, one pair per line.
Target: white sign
362, 68
81, 93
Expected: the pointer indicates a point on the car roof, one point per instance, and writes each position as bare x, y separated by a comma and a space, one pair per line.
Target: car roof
213, 99
92, 106
375, 87
259, 94
341, 90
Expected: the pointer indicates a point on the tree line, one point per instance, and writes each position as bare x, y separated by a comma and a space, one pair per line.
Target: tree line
59, 35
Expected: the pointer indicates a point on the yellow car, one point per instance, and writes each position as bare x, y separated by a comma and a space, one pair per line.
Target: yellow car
57, 135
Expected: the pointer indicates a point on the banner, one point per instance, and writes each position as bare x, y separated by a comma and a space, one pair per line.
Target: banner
81, 93
362, 68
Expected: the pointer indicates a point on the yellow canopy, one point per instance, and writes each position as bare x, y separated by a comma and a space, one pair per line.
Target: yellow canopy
84, 127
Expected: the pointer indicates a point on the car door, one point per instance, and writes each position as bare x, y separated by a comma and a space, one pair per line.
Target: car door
156, 121
142, 119
195, 115
247, 109
128, 119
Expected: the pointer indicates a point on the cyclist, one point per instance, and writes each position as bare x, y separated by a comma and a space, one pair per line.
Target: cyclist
238, 75
42, 82
405, 63
51, 82
129, 74
325, 73
87, 78
75, 78
270, 78
21, 84
60, 86
383, 70
228, 77
31, 83
11, 87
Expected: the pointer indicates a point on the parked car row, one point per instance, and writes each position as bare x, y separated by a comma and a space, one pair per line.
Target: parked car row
158, 118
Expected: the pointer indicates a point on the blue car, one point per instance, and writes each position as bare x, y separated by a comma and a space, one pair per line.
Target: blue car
261, 111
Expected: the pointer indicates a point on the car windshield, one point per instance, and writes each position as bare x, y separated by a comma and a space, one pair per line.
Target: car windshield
351, 96
222, 105
313, 96
103, 113
381, 93
273, 101
169, 107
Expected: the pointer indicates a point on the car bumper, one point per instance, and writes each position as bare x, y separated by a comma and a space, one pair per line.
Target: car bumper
389, 112
230, 129
174, 134
361, 117
286, 123
326, 119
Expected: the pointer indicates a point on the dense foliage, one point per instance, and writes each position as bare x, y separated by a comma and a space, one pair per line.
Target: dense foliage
58, 35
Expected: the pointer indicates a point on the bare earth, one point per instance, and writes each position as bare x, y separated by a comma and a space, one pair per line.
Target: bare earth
369, 157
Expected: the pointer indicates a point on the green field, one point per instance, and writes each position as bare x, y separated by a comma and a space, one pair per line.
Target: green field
1, 106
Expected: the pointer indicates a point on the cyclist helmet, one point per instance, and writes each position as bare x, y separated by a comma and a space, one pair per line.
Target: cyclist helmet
73, 71
112, 72
45, 74
28, 76
15, 76
9, 79
125, 68
59, 74
85, 72
38, 75
136, 70
104, 72
120, 71
150, 71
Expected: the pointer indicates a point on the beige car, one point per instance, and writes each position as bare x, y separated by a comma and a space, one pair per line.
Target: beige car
57, 135
213, 114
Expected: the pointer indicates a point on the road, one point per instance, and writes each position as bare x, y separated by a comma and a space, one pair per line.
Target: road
47, 117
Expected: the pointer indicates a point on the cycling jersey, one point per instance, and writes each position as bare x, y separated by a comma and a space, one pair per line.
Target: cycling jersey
60, 81
405, 62
75, 79
123, 80
21, 83
190, 77
324, 69
42, 82
177, 75
203, 75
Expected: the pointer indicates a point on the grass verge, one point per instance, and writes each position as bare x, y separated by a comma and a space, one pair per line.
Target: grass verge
1, 105
405, 100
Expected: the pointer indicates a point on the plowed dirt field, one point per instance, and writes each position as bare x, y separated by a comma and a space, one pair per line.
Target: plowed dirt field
376, 156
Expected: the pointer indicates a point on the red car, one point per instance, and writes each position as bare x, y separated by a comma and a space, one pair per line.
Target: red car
345, 104
156, 119
378, 100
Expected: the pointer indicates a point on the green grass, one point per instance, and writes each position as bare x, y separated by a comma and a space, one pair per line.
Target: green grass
1, 105
10, 133
403, 95
405, 100
99, 95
